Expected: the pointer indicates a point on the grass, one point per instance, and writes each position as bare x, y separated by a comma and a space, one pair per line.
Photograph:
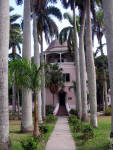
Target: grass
101, 136
17, 137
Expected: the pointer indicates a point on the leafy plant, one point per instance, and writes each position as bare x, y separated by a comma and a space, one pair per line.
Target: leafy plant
107, 111
78, 126
43, 129
73, 120
73, 112
49, 109
50, 118
88, 132
30, 144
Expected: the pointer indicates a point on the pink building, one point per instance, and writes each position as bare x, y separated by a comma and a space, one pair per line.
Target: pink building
57, 53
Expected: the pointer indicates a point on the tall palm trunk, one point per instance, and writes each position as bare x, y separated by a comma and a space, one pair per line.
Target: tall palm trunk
36, 126
13, 98
108, 20
77, 67
91, 68
27, 124
4, 45
83, 68
43, 81
37, 62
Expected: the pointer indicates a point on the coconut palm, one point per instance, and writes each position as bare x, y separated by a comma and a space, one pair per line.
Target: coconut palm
91, 68
54, 78
66, 34
72, 4
14, 43
27, 124
4, 45
28, 76
46, 26
82, 12
15, 35
37, 58
108, 15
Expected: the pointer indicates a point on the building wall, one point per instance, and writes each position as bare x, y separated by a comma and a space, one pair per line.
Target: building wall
70, 94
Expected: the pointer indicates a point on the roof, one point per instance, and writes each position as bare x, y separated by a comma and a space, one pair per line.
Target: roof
56, 45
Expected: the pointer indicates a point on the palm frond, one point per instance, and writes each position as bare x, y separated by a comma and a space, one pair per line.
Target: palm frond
69, 18
52, 10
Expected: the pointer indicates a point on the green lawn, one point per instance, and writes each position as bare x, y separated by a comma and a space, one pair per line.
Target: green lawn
17, 137
101, 136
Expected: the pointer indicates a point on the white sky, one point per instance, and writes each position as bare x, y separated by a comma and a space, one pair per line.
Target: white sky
61, 25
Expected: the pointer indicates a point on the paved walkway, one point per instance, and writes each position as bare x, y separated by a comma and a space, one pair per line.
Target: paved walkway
61, 138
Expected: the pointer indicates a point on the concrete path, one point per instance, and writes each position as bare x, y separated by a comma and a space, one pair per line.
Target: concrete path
61, 138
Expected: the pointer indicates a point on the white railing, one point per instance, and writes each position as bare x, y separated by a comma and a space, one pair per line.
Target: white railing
67, 107
56, 109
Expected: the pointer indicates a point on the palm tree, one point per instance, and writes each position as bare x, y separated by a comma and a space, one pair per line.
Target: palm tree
76, 52
37, 58
82, 12
66, 34
108, 15
28, 76
15, 35
14, 42
4, 45
91, 68
27, 124
47, 26
54, 78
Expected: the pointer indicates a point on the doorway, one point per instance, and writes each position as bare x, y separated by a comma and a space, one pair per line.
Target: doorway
62, 108
62, 96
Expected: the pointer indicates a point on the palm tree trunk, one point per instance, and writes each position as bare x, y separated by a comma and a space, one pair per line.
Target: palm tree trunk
18, 104
105, 93
108, 20
27, 123
77, 67
91, 68
36, 127
4, 45
83, 68
37, 62
43, 81
13, 98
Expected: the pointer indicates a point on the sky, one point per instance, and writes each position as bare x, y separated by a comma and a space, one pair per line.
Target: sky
61, 25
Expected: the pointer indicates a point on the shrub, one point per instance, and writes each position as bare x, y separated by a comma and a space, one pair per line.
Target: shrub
110, 146
73, 120
107, 111
49, 109
43, 129
50, 118
73, 112
88, 132
30, 144
78, 126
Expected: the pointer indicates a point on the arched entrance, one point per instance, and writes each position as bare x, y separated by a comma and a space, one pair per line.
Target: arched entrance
62, 108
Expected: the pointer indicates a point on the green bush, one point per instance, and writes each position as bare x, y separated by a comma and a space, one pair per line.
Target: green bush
88, 132
49, 109
73, 112
30, 144
107, 111
50, 118
43, 129
78, 126
73, 120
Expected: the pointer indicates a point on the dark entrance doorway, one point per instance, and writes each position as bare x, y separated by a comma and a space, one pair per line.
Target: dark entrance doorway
62, 108
62, 96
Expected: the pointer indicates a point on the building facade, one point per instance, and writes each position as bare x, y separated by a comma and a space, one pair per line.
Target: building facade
57, 53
